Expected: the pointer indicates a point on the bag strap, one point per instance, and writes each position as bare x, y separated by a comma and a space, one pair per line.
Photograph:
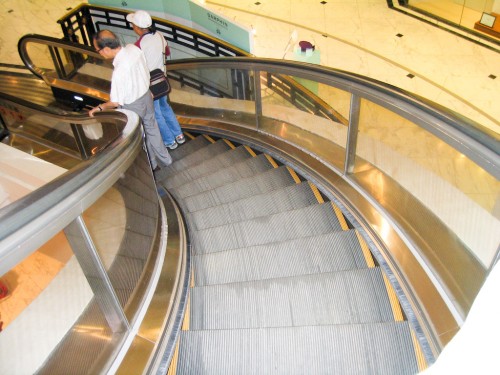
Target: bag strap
138, 41
163, 41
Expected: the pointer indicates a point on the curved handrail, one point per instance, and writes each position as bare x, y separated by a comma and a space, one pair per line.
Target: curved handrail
23, 223
428, 248
479, 143
79, 26
50, 42
360, 48
68, 61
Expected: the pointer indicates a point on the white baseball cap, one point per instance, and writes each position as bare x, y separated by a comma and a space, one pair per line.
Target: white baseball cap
140, 18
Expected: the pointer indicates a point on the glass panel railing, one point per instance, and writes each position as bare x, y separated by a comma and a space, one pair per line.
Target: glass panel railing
223, 93
84, 248
54, 282
317, 108
48, 292
443, 179
123, 225
75, 70
64, 141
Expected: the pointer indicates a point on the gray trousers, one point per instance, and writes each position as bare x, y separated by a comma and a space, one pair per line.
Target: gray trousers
154, 143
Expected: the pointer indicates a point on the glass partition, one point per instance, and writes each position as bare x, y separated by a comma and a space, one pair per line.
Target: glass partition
321, 110
444, 180
465, 13
44, 135
226, 93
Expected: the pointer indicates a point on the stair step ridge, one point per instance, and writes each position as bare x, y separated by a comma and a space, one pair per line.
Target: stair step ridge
283, 199
351, 296
244, 169
207, 167
190, 146
198, 156
267, 181
380, 348
329, 252
302, 222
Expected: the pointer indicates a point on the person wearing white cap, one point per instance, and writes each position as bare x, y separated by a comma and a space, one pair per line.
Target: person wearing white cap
153, 44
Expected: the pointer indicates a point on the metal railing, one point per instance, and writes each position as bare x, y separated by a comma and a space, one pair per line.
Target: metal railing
81, 23
394, 153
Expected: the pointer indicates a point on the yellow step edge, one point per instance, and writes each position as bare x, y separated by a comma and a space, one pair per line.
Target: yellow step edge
172, 368
189, 135
316, 193
366, 251
396, 307
271, 161
250, 151
294, 175
340, 216
419, 354
209, 138
230, 144
185, 321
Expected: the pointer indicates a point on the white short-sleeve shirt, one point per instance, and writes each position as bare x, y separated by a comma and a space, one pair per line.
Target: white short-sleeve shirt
153, 46
130, 79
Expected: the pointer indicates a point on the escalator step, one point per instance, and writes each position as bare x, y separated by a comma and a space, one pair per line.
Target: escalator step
335, 251
285, 199
207, 167
247, 168
303, 222
270, 180
197, 157
189, 147
345, 297
382, 348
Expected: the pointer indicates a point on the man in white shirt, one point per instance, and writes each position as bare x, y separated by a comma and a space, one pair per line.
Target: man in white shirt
130, 90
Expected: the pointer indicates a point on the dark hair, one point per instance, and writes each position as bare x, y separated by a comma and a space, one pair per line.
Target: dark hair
106, 38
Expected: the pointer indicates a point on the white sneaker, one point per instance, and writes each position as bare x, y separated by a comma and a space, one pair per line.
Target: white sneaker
180, 139
172, 146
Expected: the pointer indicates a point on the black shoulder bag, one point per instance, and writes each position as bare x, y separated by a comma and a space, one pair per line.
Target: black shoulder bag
158, 83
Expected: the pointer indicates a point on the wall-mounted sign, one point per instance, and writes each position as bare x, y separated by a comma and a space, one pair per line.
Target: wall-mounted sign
220, 27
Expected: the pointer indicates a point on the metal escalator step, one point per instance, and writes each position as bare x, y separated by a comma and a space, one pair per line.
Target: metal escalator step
247, 168
189, 147
198, 156
303, 222
344, 297
220, 161
334, 251
267, 181
382, 348
286, 199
